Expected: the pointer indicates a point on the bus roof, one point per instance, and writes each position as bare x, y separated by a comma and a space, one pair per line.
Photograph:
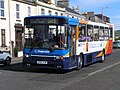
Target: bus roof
46, 16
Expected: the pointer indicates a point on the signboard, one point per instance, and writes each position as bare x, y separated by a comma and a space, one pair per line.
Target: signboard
45, 21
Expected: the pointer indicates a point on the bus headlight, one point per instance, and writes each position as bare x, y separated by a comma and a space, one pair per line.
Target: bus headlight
60, 57
57, 57
25, 55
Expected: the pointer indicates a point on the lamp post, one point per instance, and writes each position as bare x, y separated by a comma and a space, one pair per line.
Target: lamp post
11, 51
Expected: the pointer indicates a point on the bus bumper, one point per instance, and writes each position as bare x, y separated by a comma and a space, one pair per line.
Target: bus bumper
45, 63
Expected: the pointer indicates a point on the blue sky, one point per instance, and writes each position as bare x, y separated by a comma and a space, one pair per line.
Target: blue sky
109, 8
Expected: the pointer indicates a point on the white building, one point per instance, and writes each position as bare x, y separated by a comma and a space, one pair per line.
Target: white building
12, 13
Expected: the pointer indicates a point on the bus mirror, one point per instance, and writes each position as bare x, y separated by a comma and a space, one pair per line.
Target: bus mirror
69, 32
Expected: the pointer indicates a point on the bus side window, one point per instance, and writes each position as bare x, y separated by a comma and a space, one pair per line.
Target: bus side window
106, 34
96, 37
96, 34
101, 34
89, 34
82, 34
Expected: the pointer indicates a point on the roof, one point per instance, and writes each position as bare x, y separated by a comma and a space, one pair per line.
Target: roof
71, 10
45, 1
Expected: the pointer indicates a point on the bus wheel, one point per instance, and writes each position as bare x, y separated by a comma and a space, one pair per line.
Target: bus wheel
80, 62
103, 56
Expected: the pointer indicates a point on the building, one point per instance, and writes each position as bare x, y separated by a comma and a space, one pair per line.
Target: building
96, 17
11, 21
103, 18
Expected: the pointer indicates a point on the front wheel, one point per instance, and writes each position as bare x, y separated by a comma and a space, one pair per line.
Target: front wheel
80, 62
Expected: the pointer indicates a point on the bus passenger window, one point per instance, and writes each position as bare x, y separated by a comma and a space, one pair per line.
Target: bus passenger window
89, 34
96, 37
106, 34
101, 34
95, 33
82, 33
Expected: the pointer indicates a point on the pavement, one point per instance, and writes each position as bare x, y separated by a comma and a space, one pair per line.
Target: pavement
16, 60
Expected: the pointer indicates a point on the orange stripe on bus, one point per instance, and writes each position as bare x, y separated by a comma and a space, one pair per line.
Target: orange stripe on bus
106, 49
83, 22
76, 33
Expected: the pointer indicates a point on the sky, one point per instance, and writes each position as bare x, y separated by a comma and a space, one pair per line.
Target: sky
110, 8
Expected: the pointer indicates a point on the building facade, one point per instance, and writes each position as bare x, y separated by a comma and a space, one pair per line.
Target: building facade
12, 13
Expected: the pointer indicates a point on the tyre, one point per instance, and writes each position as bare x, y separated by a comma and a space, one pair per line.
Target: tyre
80, 62
7, 61
103, 56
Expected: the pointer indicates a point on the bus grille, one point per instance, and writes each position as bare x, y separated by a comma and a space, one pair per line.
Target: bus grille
42, 58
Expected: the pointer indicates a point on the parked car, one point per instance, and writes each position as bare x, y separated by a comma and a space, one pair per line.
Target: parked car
5, 58
116, 44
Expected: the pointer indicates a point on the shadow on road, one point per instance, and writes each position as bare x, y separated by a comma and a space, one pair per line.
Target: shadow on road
18, 67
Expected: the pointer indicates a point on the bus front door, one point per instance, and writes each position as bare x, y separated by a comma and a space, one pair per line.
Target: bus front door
72, 52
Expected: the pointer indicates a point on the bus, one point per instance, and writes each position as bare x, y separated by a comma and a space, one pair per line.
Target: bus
61, 42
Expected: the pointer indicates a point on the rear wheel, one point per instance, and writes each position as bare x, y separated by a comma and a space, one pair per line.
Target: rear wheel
80, 62
103, 56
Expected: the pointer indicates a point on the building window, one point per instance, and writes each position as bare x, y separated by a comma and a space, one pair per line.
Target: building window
3, 41
18, 36
55, 2
49, 12
56, 13
2, 8
42, 12
61, 14
17, 11
29, 11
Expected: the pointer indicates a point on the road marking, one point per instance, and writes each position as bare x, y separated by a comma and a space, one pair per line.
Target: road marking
103, 69
88, 75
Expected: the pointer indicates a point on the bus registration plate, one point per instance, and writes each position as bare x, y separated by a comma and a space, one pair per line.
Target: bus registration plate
42, 62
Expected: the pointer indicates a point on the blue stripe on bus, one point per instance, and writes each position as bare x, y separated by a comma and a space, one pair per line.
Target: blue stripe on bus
45, 52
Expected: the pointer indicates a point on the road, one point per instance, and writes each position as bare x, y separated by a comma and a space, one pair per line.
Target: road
98, 76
